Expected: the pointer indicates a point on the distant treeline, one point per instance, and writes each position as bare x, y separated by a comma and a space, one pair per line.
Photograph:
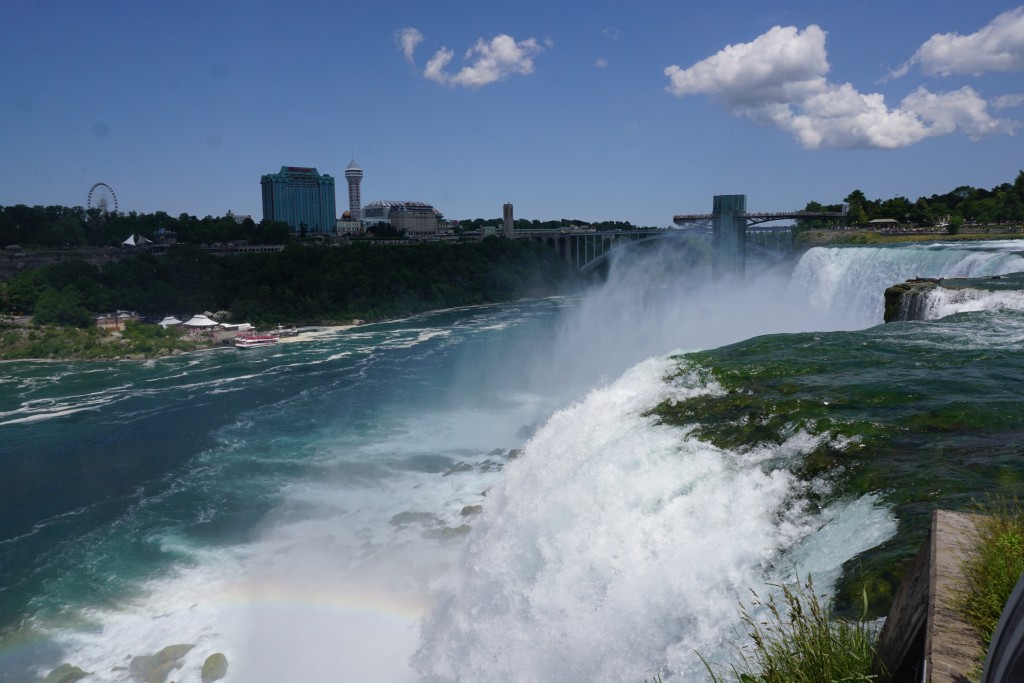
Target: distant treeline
1003, 203
301, 284
63, 227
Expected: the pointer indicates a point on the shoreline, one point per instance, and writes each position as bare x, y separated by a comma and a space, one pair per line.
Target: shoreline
313, 332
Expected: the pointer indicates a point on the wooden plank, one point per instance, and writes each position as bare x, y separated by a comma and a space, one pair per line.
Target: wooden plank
923, 633
901, 642
951, 645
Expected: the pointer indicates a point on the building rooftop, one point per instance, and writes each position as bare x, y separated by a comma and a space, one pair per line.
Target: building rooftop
395, 203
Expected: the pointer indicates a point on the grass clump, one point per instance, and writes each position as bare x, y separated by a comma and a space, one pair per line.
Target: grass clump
992, 565
801, 641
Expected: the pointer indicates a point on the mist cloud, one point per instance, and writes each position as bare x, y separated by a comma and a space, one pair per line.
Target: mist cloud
779, 79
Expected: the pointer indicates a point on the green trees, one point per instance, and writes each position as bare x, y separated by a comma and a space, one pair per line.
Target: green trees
57, 227
818, 222
1002, 204
857, 213
299, 284
61, 308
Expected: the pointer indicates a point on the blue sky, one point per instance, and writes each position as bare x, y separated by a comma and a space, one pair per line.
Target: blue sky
600, 110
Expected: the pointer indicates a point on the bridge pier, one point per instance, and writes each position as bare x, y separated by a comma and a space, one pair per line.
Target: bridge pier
729, 235
730, 223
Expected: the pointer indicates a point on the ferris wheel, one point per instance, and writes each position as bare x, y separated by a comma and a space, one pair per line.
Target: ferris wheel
102, 198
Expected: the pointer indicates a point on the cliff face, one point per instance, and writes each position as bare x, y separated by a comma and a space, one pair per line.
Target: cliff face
905, 301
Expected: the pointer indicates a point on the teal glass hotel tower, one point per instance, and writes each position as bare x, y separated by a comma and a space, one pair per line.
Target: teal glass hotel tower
300, 197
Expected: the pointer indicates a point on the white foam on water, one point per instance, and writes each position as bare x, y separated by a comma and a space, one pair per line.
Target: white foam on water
941, 302
334, 583
615, 548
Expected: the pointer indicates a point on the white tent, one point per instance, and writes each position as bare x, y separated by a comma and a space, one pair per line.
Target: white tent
199, 321
168, 321
134, 240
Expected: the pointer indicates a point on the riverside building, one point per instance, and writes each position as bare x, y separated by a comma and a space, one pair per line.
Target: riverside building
416, 219
301, 197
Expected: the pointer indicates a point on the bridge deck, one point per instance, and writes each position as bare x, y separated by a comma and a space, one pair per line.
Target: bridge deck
756, 217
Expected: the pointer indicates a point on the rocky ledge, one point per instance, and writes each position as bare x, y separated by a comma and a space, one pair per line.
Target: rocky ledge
908, 300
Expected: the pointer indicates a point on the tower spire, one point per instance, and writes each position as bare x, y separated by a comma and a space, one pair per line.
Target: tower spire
354, 175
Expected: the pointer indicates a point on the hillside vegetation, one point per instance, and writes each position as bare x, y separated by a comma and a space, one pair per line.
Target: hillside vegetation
301, 284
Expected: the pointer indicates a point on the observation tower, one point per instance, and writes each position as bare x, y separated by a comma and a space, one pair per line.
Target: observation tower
353, 175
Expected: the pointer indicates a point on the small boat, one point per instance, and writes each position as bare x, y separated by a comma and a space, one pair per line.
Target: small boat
248, 341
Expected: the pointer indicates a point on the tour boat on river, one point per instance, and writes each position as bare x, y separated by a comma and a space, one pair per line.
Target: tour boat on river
248, 341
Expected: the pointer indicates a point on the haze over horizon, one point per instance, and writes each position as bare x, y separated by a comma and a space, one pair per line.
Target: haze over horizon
597, 112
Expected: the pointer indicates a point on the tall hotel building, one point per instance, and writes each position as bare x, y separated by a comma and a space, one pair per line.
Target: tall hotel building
300, 197
354, 174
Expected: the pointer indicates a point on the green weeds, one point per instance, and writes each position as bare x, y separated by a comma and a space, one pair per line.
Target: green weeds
992, 565
800, 641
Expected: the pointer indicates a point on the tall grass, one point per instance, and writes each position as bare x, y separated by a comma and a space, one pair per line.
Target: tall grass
992, 565
801, 641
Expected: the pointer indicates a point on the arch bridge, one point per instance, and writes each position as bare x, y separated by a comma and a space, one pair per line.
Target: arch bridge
731, 228
586, 249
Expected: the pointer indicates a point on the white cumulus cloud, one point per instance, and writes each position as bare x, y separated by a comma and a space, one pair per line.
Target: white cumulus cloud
488, 62
779, 79
408, 39
776, 67
435, 67
998, 46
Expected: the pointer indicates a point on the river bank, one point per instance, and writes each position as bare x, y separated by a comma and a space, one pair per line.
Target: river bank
56, 342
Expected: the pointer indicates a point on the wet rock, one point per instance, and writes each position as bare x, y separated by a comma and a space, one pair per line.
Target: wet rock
497, 451
408, 517
446, 533
904, 301
472, 510
156, 668
65, 673
456, 469
215, 667
909, 300
515, 453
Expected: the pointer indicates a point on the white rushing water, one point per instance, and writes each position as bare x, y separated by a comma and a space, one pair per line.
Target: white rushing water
611, 550
615, 547
850, 280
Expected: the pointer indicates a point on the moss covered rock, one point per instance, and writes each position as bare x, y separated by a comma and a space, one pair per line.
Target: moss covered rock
65, 673
215, 667
155, 668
